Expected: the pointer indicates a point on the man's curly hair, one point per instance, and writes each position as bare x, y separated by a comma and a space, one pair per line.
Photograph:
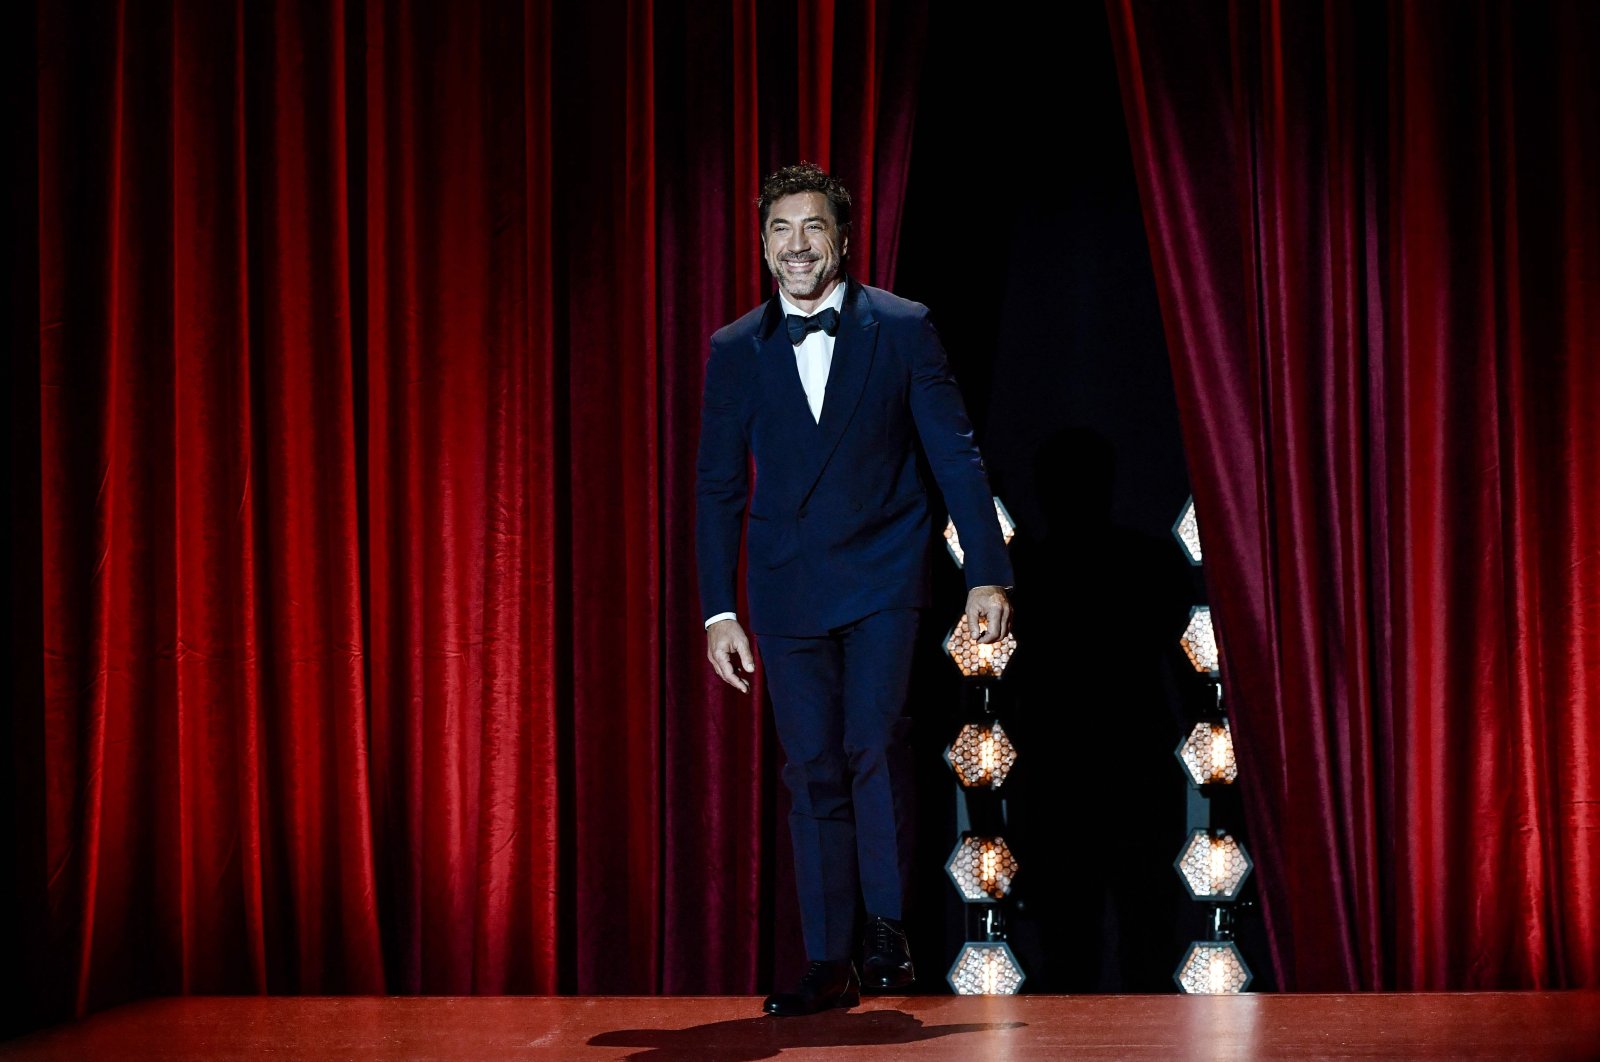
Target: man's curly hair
805, 177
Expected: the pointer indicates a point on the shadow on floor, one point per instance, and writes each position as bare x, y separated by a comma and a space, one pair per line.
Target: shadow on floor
751, 1039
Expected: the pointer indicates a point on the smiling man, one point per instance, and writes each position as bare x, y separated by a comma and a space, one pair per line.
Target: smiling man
832, 387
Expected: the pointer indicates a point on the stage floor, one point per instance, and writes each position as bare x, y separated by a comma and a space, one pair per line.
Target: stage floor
1527, 1026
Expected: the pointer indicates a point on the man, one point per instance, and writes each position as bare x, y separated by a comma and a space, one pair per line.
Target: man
830, 386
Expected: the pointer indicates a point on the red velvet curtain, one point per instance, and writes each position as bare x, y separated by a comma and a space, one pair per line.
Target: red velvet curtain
1377, 246
368, 344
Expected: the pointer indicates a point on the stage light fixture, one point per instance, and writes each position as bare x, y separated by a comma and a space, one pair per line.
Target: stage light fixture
1213, 968
1207, 754
985, 969
981, 755
1200, 642
988, 660
952, 541
1213, 865
1187, 532
982, 868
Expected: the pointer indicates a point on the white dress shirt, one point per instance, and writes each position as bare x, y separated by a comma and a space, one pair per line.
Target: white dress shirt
813, 357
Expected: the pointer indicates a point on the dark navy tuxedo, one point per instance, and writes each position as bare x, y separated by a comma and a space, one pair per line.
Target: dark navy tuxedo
839, 550
840, 519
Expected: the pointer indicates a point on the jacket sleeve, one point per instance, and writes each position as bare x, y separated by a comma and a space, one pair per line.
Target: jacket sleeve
947, 439
721, 484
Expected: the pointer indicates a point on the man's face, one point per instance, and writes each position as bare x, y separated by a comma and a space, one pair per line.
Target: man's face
803, 246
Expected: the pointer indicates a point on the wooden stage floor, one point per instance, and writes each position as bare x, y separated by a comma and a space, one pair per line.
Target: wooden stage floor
1527, 1026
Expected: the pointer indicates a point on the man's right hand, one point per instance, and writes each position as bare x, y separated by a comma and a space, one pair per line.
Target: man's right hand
728, 650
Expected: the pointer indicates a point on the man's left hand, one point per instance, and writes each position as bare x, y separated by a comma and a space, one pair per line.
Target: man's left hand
988, 613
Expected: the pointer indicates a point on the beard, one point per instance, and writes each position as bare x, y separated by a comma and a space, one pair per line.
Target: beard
804, 285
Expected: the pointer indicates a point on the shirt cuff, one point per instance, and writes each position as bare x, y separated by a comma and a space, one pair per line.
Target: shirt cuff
719, 617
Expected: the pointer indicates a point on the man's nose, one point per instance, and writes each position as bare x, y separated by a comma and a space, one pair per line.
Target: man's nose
797, 240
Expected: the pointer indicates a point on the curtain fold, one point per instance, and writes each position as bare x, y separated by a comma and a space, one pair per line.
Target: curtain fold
1377, 257
369, 348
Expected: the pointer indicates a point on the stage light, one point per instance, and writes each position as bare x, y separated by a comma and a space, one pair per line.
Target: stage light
1200, 642
1213, 968
985, 970
988, 660
982, 868
1187, 532
981, 755
1213, 865
952, 541
1207, 754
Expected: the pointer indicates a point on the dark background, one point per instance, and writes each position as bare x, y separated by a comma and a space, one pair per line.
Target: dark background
1023, 234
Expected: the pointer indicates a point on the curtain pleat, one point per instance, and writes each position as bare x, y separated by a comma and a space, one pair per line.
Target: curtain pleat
1377, 267
370, 342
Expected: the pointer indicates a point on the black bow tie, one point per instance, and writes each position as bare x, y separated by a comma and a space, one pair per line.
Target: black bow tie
800, 327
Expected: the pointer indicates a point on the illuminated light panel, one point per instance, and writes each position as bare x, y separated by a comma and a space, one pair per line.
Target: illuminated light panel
1207, 754
982, 868
1199, 642
981, 755
985, 970
952, 541
1213, 865
1213, 969
974, 660
1187, 532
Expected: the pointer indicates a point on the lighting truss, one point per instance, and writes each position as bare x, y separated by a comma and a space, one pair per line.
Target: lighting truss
1207, 754
952, 541
976, 660
982, 868
1199, 642
1213, 968
981, 755
1187, 532
985, 969
1213, 865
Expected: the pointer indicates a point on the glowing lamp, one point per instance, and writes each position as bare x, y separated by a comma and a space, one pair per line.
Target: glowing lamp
1187, 532
982, 868
1213, 969
985, 970
1199, 642
1207, 754
981, 755
952, 541
978, 661
1213, 865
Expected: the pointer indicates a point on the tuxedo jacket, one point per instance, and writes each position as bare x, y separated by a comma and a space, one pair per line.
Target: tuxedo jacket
840, 519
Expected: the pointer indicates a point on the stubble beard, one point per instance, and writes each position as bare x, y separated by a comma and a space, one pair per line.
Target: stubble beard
806, 285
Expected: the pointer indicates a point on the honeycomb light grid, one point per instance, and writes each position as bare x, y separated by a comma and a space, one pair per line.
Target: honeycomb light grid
952, 541
982, 868
1207, 754
981, 755
1187, 532
978, 661
1199, 642
1213, 969
985, 970
1213, 865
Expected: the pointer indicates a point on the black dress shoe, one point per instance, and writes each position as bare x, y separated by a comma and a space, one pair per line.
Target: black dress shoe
825, 985
888, 961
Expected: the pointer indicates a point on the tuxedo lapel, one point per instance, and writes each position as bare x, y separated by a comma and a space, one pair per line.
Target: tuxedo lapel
854, 347
853, 350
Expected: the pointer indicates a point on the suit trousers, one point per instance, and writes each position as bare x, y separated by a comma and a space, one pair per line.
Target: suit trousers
838, 702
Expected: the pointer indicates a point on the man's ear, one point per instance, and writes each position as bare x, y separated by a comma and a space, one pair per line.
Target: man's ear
844, 243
